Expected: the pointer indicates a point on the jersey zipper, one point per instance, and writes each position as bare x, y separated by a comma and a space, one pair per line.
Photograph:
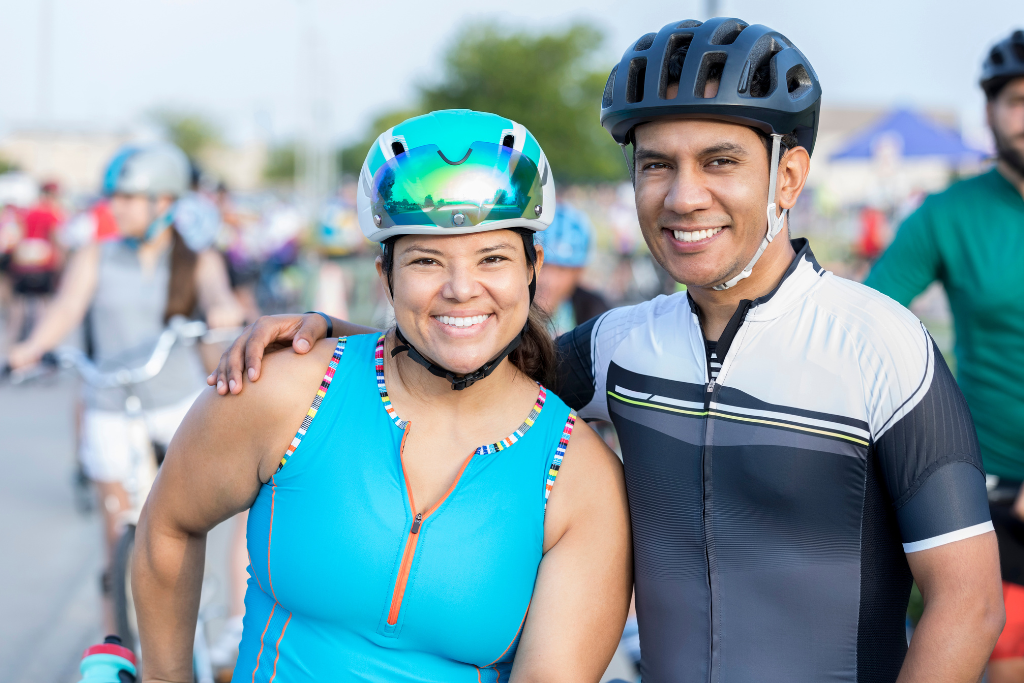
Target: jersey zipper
401, 582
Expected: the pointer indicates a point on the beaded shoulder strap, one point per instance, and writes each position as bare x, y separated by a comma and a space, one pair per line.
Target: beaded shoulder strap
325, 384
556, 463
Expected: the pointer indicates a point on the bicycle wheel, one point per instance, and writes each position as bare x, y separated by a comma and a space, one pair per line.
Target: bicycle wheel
121, 580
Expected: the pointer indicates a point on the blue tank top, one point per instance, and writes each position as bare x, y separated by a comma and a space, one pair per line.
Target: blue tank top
350, 581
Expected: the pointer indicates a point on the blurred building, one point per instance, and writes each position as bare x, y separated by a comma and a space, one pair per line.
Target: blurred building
885, 179
76, 158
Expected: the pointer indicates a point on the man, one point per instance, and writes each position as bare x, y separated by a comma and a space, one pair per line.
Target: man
566, 252
971, 238
770, 497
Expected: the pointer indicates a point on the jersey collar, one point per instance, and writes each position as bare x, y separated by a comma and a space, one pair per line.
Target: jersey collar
803, 275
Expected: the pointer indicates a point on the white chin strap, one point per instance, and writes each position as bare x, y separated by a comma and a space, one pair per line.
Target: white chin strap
774, 223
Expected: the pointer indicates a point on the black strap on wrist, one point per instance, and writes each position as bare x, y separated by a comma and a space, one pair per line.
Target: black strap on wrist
330, 323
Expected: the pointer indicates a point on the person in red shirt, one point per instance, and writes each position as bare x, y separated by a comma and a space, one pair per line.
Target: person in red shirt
35, 260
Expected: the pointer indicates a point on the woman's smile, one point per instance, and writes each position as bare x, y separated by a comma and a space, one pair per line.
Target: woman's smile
463, 321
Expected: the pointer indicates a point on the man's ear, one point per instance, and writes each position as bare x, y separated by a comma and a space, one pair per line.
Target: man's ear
793, 170
989, 115
379, 262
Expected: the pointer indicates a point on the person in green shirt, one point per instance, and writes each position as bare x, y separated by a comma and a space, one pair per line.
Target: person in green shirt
971, 238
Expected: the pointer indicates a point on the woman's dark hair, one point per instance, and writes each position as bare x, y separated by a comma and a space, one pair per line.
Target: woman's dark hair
535, 356
182, 293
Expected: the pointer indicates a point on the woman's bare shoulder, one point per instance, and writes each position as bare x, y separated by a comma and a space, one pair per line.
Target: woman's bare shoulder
262, 419
590, 488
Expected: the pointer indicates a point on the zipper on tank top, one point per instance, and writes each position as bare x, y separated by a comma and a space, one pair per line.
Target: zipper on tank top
398, 595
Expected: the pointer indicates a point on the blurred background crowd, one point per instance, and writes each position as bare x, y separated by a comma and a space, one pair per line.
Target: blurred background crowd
275, 105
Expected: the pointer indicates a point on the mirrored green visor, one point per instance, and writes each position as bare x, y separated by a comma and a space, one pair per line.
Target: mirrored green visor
423, 187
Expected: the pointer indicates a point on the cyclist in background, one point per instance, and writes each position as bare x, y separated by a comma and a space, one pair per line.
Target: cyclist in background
566, 253
130, 287
36, 260
971, 238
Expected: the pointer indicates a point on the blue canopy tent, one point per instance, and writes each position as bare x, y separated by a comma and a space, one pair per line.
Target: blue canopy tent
915, 135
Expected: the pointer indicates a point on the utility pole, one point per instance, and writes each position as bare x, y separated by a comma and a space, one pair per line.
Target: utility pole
711, 8
313, 164
45, 60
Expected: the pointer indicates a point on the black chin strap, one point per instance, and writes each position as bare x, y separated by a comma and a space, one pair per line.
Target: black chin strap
459, 382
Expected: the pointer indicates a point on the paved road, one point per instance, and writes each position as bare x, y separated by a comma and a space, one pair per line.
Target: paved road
51, 554
51, 557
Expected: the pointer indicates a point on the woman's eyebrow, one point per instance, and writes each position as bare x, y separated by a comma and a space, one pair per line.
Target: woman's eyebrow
495, 247
423, 250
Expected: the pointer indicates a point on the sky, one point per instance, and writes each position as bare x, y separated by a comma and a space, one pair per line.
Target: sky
260, 68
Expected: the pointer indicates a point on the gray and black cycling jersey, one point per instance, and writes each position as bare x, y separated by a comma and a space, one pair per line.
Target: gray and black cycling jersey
773, 507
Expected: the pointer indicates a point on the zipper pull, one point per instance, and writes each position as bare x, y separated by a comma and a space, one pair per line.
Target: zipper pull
416, 524
711, 386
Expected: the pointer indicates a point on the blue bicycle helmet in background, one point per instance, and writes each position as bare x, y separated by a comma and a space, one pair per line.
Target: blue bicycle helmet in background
567, 240
114, 169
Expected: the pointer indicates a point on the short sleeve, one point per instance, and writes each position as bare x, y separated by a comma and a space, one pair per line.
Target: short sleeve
928, 451
912, 261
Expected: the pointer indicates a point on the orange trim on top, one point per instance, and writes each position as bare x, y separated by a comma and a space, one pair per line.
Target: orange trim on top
259, 655
518, 631
411, 541
278, 647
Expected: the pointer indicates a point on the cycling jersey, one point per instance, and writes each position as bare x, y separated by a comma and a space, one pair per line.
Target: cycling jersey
769, 506
971, 238
352, 580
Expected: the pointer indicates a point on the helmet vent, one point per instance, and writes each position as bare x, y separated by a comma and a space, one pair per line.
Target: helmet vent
798, 82
672, 69
711, 68
1018, 47
635, 82
996, 56
728, 32
609, 89
397, 147
508, 141
761, 73
645, 42
690, 23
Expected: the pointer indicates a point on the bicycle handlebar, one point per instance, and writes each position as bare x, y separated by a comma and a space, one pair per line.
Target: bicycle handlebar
178, 329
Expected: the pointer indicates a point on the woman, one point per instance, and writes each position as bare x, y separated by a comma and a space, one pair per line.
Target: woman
388, 544
126, 290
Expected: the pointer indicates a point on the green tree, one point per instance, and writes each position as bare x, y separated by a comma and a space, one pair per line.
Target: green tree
547, 82
192, 132
351, 157
280, 168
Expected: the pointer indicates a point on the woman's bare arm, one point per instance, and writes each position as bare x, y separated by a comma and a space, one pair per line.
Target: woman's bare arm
585, 580
219, 303
215, 465
65, 313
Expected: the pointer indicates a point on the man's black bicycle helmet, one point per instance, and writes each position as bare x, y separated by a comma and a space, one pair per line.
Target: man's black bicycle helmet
1005, 62
765, 81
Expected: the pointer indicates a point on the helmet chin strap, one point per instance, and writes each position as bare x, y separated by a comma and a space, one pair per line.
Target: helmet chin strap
155, 227
775, 223
459, 382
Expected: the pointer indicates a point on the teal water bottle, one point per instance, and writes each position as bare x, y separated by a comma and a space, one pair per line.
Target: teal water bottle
109, 662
